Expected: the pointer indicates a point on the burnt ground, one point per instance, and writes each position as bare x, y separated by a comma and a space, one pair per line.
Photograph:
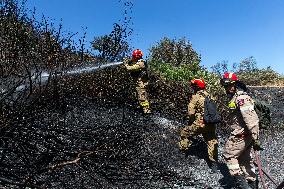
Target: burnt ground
101, 144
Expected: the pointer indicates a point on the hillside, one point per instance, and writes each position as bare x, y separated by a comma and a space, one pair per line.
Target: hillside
69, 117
98, 143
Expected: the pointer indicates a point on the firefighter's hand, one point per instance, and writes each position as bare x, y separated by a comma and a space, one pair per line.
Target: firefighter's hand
185, 117
126, 60
188, 118
256, 145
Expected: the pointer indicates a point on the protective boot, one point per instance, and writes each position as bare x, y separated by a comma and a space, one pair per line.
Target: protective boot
145, 106
241, 182
253, 184
146, 110
213, 166
184, 144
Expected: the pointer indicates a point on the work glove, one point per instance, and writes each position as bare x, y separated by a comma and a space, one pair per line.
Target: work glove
127, 60
188, 119
256, 145
185, 117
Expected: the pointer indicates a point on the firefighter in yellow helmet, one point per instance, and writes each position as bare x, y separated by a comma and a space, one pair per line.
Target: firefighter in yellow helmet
137, 68
244, 123
198, 126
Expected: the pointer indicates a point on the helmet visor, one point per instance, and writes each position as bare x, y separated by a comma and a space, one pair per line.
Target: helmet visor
226, 82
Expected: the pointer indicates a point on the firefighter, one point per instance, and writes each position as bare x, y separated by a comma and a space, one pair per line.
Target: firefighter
244, 123
138, 70
195, 115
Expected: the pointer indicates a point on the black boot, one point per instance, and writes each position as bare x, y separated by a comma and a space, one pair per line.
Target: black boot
213, 166
241, 183
253, 184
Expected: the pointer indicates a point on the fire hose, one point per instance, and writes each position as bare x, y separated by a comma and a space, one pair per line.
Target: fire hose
281, 186
262, 172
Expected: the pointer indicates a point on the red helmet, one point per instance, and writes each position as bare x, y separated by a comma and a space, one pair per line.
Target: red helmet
229, 78
137, 53
199, 83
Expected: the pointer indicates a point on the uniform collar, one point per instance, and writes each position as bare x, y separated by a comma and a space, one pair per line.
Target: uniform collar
240, 92
200, 92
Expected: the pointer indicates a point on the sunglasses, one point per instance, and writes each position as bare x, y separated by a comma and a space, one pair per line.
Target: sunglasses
226, 82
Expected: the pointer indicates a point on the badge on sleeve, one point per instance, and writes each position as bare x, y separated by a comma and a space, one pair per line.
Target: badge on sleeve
241, 102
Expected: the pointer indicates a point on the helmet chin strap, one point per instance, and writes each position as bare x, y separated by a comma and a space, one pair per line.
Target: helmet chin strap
195, 89
231, 94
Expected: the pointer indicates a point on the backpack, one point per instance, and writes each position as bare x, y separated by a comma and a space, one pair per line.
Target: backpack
211, 114
263, 112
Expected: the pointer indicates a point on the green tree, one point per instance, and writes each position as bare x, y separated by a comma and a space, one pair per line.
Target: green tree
220, 67
248, 71
112, 47
247, 65
174, 52
27, 47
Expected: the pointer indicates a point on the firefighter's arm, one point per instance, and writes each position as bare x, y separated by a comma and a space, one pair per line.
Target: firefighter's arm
246, 105
191, 107
135, 66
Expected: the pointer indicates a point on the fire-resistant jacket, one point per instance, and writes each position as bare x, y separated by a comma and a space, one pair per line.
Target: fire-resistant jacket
136, 68
196, 107
243, 118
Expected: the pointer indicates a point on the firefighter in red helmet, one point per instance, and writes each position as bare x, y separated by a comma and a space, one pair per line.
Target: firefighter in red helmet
198, 126
244, 123
137, 68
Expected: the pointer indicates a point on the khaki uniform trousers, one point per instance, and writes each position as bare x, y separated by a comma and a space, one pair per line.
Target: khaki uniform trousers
208, 131
237, 153
141, 88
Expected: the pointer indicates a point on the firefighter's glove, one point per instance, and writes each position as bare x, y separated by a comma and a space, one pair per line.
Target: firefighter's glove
190, 118
185, 117
126, 60
256, 145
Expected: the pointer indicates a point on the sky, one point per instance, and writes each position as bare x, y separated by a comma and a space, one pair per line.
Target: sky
219, 30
